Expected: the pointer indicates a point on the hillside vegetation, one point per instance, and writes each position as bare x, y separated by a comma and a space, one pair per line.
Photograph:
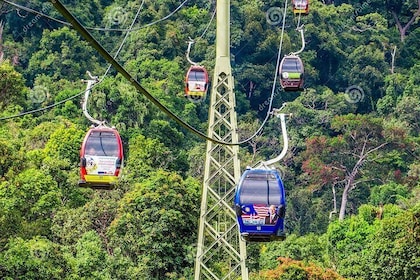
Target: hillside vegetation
351, 172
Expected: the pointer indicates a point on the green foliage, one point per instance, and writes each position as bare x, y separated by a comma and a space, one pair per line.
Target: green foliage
154, 223
62, 54
289, 269
388, 193
65, 143
145, 228
308, 248
12, 84
87, 259
27, 203
376, 244
146, 155
36, 258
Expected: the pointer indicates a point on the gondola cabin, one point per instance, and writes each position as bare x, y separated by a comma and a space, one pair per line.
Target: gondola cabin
300, 7
260, 205
196, 82
101, 158
291, 73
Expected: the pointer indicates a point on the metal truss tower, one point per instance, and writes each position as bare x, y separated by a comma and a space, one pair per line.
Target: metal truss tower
221, 253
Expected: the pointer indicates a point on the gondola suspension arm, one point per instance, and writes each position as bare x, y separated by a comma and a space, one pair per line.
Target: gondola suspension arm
190, 42
282, 116
90, 83
300, 29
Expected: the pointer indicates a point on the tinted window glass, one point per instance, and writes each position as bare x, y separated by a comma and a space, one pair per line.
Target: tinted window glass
101, 143
291, 65
253, 191
274, 191
260, 188
196, 75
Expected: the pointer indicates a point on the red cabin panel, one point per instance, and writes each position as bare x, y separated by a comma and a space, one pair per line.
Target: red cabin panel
196, 82
101, 158
300, 7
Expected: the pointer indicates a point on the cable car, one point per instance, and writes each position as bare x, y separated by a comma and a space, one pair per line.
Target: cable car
196, 82
300, 7
260, 205
101, 158
291, 73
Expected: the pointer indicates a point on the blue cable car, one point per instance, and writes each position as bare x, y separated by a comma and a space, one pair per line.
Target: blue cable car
260, 205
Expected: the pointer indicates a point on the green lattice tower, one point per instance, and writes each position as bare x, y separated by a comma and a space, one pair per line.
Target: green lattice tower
221, 253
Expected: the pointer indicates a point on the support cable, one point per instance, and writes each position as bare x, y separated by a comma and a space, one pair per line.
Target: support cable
89, 88
190, 42
95, 44
273, 89
282, 117
95, 28
94, 80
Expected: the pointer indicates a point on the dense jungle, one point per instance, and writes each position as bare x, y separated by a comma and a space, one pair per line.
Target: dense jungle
351, 172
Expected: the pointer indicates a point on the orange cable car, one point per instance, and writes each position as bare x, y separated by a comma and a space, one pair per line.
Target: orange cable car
300, 7
101, 158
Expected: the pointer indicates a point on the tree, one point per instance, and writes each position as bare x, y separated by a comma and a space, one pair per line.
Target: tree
62, 54
35, 258
289, 269
369, 246
343, 157
12, 86
88, 259
154, 224
404, 15
28, 200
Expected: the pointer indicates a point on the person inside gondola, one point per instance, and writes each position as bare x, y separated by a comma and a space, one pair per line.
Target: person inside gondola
91, 150
196, 81
272, 216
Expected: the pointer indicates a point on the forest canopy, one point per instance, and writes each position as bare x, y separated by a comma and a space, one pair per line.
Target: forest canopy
351, 172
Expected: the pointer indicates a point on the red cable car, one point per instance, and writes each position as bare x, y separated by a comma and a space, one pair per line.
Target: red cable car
101, 158
291, 73
196, 82
300, 7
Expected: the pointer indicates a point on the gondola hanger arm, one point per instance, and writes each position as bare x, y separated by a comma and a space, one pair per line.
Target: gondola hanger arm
190, 42
282, 116
90, 83
300, 29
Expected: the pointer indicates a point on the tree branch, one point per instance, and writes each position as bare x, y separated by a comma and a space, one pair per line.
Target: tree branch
404, 29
